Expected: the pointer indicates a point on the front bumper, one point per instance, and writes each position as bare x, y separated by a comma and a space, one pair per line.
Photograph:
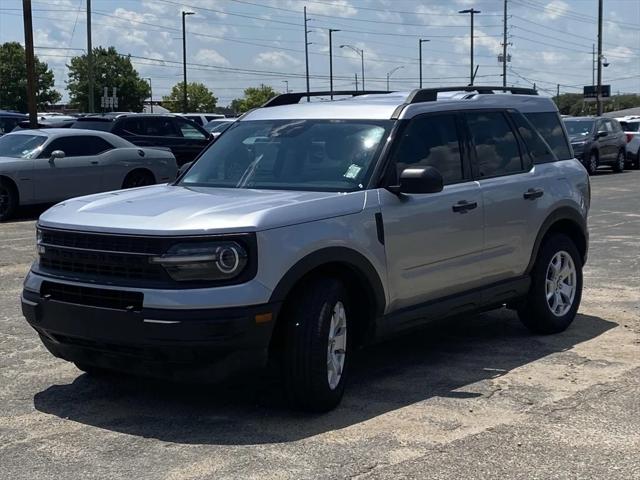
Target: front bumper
208, 344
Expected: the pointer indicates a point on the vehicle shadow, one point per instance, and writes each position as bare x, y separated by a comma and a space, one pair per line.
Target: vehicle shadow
434, 362
28, 213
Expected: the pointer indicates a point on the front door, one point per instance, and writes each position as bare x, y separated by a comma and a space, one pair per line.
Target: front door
432, 241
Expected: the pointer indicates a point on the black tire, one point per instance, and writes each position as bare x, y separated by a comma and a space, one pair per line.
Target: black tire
138, 178
535, 312
618, 166
636, 163
591, 163
306, 345
8, 200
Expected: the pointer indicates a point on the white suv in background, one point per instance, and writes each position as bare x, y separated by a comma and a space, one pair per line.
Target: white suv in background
631, 127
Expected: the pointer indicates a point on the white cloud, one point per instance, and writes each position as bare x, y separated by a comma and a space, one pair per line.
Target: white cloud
555, 9
275, 58
340, 8
210, 56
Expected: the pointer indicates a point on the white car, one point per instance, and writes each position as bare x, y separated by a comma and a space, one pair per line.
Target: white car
50, 165
631, 127
202, 118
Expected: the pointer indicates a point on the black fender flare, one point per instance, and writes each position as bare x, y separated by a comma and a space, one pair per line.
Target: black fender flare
355, 261
560, 214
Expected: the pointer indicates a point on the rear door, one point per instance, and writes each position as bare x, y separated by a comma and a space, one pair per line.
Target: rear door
78, 173
512, 193
432, 241
194, 139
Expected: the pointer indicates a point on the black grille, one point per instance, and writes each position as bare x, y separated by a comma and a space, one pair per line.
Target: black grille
95, 297
110, 243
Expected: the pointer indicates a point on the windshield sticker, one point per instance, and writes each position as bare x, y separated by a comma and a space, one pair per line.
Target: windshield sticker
353, 171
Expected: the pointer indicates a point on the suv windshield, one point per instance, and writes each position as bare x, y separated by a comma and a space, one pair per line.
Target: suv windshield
318, 155
578, 127
21, 145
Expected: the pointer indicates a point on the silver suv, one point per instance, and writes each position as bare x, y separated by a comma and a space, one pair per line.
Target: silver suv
309, 229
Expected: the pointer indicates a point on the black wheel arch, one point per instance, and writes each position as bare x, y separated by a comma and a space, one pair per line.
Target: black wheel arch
353, 268
144, 170
12, 184
564, 220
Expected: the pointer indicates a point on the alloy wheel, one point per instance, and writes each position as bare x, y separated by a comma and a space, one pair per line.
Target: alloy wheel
593, 163
561, 283
337, 345
5, 201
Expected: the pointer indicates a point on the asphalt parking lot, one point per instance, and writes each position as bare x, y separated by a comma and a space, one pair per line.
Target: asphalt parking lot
475, 398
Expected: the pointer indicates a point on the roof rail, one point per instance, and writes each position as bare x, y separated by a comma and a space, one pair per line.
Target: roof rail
431, 94
293, 98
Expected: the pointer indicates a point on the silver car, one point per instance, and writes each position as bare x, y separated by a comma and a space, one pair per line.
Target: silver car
310, 229
49, 165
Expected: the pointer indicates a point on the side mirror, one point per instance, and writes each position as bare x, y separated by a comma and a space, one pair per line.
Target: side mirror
602, 133
184, 168
419, 180
56, 154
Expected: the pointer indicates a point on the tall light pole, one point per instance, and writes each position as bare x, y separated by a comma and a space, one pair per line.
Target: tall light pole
599, 87
391, 73
30, 61
420, 42
306, 50
471, 11
360, 52
331, 30
150, 91
90, 77
184, 62
504, 46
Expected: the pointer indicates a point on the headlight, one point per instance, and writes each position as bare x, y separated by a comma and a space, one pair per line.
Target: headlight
39, 247
204, 261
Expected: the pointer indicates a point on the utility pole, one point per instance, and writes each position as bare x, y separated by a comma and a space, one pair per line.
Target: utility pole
331, 30
593, 64
31, 64
151, 92
90, 77
306, 51
558, 93
420, 42
504, 47
471, 11
184, 62
356, 78
599, 89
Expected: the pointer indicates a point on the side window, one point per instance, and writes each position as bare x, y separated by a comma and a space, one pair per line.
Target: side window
7, 124
77, 146
549, 126
608, 126
537, 148
497, 150
188, 130
431, 141
195, 118
158, 127
131, 125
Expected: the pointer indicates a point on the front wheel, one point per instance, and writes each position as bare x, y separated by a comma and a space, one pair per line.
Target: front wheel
556, 287
592, 163
138, 178
636, 162
618, 167
8, 200
316, 349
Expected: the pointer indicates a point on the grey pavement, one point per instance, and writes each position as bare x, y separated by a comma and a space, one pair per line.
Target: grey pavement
477, 397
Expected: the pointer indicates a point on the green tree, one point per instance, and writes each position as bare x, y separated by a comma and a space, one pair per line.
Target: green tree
253, 97
574, 104
13, 79
199, 98
110, 70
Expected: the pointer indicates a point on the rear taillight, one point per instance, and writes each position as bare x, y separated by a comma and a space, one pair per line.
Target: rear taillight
629, 136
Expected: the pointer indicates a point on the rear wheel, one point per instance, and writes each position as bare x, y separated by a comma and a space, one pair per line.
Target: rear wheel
316, 345
8, 200
618, 167
556, 287
636, 162
138, 178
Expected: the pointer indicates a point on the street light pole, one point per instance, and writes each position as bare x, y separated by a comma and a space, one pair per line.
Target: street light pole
150, 91
599, 87
471, 11
286, 82
306, 50
184, 62
420, 42
360, 52
90, 75
331, 30
391, 73
31, 64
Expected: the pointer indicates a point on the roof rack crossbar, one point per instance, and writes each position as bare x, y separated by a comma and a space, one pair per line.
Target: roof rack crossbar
431, 94
295, 97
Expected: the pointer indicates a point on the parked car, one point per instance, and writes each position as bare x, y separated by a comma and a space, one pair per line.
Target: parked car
49, 165
308, 230
631, 127
202, 118
597, 141
185, 139
216, 127
49, 123
9, 121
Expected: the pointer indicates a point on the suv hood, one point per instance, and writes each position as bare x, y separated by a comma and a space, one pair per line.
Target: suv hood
176, 210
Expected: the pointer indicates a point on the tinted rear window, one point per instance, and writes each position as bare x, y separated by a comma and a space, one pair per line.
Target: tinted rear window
630, 126
549, 126
102, 125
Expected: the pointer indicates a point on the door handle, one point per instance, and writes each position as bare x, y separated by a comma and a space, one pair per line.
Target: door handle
95, 162
533, 193
463, 206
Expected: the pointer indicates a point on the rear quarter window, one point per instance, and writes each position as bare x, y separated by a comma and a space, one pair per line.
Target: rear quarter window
549, 126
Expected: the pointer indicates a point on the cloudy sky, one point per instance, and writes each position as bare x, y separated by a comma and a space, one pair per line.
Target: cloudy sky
233, 44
